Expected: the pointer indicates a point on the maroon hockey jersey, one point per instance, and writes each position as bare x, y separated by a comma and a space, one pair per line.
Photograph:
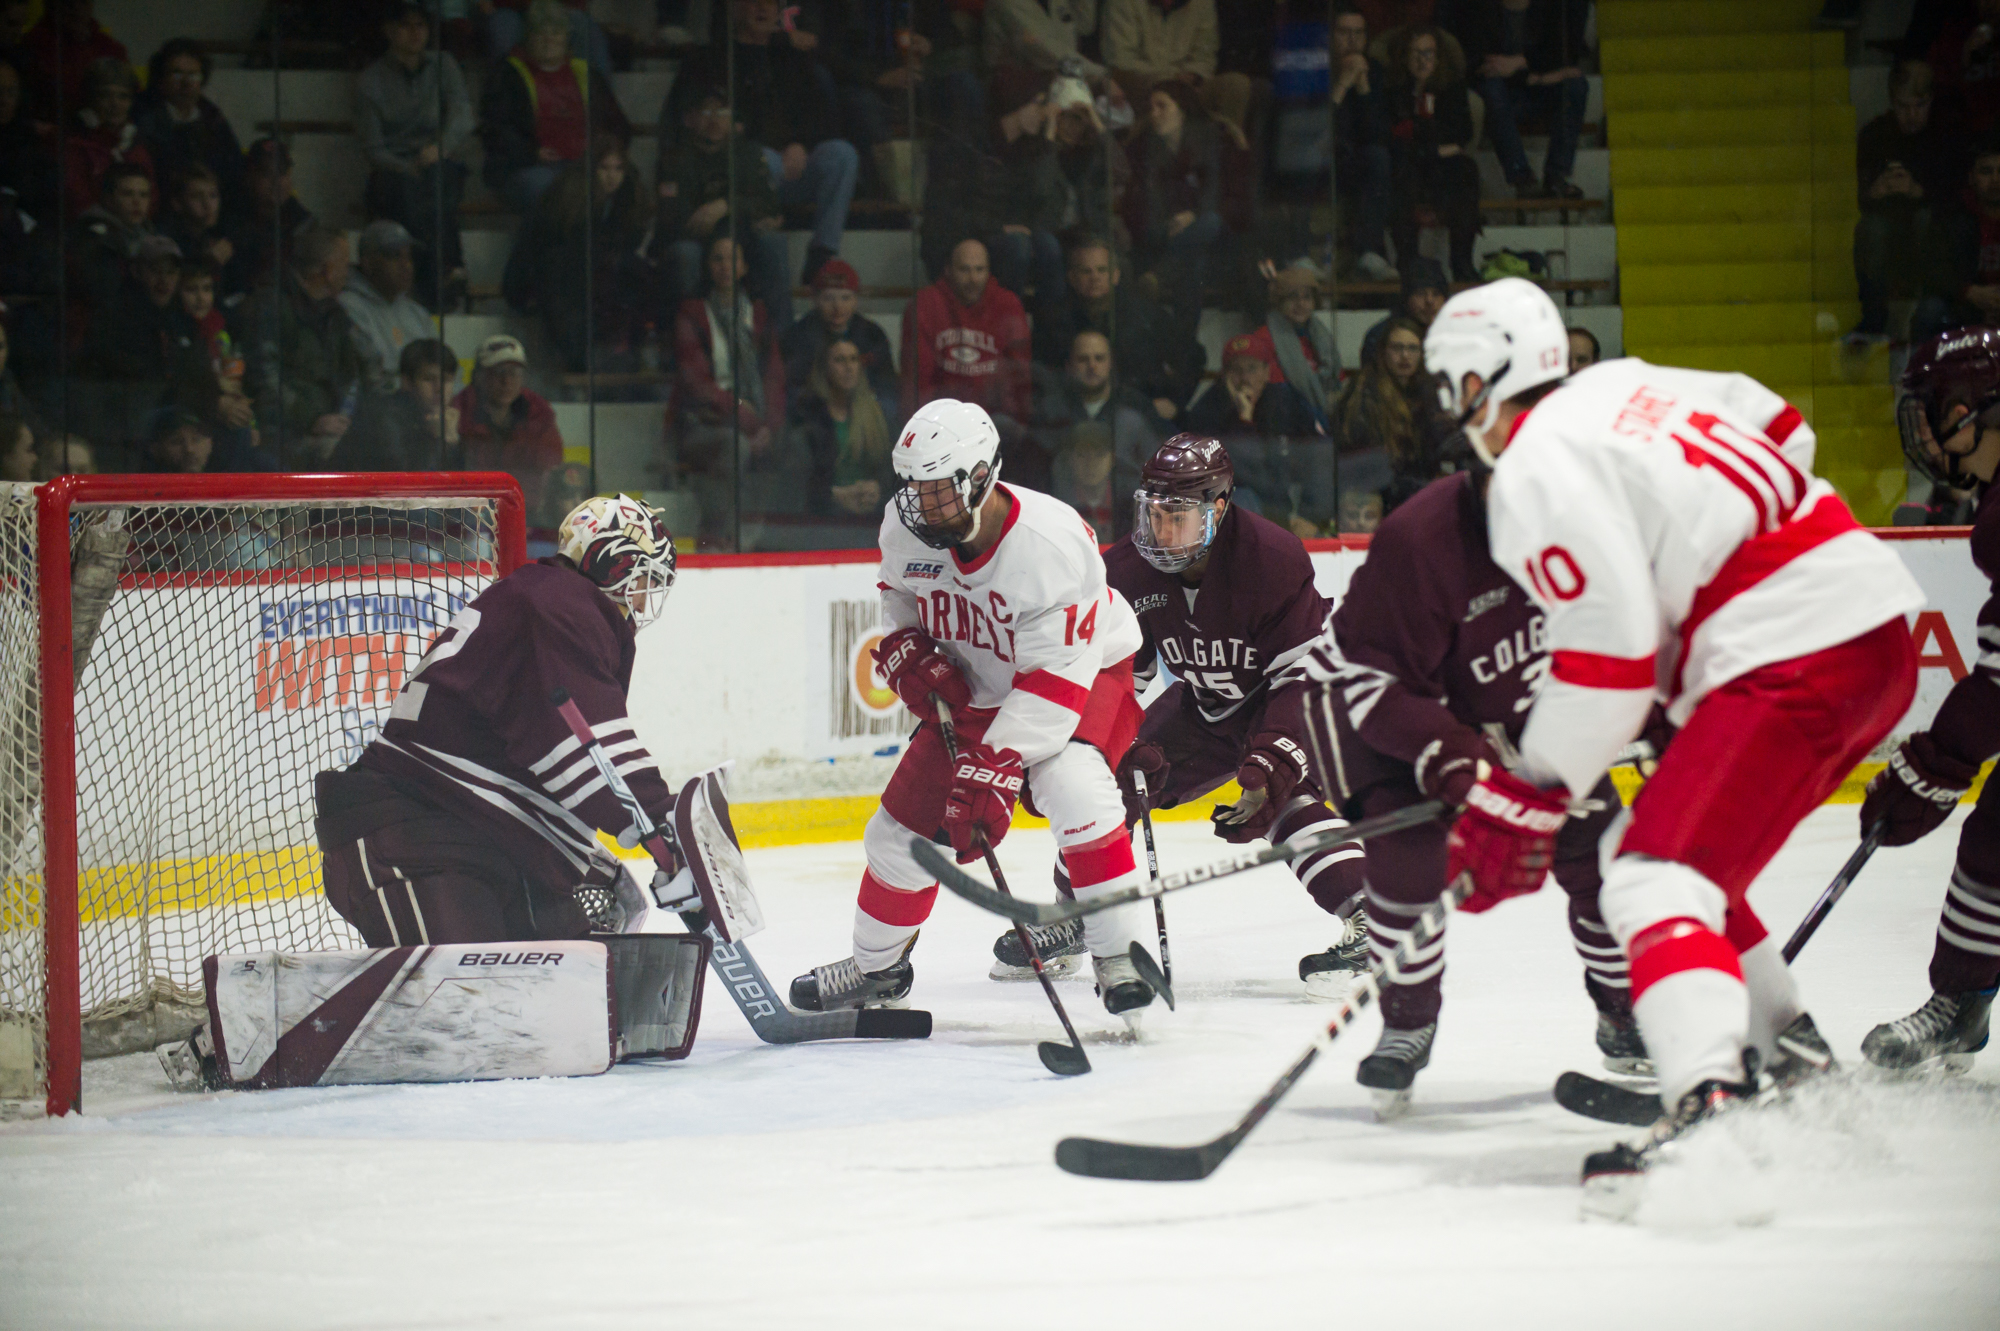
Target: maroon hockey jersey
1237, 639
1431, 635
1968, 722
474, 732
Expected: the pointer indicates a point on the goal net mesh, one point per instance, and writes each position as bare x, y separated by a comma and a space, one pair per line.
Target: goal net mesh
226, 652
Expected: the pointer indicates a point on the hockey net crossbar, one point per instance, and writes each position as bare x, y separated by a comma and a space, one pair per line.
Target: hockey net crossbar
179, 657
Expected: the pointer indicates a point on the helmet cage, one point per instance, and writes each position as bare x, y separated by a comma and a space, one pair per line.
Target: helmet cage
1925, 422
947, 528
637, 580
1172, 558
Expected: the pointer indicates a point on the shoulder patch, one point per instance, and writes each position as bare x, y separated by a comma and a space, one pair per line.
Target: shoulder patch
1151, 601
1485, 601
921, 569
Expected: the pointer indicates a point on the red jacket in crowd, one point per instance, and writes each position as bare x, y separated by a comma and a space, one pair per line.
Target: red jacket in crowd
976, 353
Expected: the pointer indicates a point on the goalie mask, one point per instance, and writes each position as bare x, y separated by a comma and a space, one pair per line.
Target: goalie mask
1175, 509
949, 461
1510, 334
625, 548
1950, 396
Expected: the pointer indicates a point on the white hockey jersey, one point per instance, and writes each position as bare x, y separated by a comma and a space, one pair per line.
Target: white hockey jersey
1669, 524
1029, 623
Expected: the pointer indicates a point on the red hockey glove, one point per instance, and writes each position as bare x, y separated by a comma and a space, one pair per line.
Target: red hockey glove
985, 782
1152, 761
1916, 791
911, 663
1449, 765
1271, 770
1505, 838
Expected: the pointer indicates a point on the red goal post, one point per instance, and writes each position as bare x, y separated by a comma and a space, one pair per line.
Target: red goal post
179, 656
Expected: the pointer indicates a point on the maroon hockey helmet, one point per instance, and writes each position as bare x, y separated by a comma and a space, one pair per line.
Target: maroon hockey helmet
1951, 379
1175, 507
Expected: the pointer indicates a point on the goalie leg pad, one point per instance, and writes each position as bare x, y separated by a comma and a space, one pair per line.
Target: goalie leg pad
656, 985
453, 1012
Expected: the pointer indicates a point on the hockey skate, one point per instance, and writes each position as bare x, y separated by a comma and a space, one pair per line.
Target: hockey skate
1124, 993
843, 984
1333, 975
1950, 1028
1802, 1054
1619, 1041
1614, 1180
1061, 947
1392, 1069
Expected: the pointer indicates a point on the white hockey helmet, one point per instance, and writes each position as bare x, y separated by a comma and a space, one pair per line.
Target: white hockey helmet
949, 460
1510, 334
625, 548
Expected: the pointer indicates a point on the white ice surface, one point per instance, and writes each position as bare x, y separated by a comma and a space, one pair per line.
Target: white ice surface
911, 1185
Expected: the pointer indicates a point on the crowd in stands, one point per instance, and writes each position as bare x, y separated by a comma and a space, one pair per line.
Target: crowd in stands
1090, 174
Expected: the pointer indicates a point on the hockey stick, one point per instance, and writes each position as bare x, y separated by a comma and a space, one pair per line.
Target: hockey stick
1063, 1060
1152, 875
1046, 913
1128, 1160
772, 1020
1835, 890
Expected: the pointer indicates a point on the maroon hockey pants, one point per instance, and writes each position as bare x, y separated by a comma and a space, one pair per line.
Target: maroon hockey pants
431, 881
1967, 956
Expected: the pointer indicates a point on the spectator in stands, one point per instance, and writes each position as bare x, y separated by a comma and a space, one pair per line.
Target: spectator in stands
182, 128
1584, 350
786, 103
1158, 41
205, 371
836, 300
415, 123
179, 443
507, 24
106, 236
305, 366
1963, 254
504, 426
1041, 34
1390, 427
1003, 185
1154, 355
27, 153
70, 456
17, 450
193, 221
1171, 208
1092, 162
877, 56
1361, 142
729, 393
1525, 57
262, 238
58, 54
17, 17
1907, 168
1283, 464
102, 136
1966, 58
377, 299
413, 428
966, 336
1084, 406
1425, 290
693, 183
1300, 345
578, 262
846, 428
12, 400
541, 109
1430, 145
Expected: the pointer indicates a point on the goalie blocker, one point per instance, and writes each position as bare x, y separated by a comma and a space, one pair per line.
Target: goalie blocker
451, 1012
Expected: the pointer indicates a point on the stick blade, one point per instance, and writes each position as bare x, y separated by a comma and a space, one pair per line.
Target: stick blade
1090, 1158
889, 1023
963, 884
1149, 971
1065, 1060
1595, 1098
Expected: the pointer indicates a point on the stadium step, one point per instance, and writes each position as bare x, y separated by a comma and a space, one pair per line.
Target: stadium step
1756, 54
1738, 324
1674, 89
1701, 127
1723, 284
1739, 242
1687, 18
1734, 164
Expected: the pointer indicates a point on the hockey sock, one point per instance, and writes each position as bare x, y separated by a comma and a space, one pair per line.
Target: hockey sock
1097, 867
1063, 889
885, 919
1411, 998
1605, 972
1693, 1009
1774, 994
1967, 955
1332, 875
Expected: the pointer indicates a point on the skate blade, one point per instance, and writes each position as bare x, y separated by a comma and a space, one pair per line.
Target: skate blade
1135, 1022
1390, 1105
1956, 1065
1640, 1069
1057, 967
901, 1002
1612, 1198
1332, 986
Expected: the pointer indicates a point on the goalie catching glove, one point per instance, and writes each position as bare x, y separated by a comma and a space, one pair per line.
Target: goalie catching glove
1917, 791
915, 670
1505, 838
985, 783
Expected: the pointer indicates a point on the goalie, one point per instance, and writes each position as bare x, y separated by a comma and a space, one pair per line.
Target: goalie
474, 816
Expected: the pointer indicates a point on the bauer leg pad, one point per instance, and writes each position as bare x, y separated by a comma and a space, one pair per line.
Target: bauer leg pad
656, 985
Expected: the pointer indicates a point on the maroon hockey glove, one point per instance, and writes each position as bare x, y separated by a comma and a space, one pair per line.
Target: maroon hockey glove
1505, 838
985, 782
1449, 765
1916, 791
1150, 759
914, 669
1271, 770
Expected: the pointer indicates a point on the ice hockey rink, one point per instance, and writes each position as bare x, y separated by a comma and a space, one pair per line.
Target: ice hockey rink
912, 1186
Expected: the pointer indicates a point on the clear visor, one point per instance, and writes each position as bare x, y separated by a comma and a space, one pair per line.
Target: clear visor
1172, 532
938, 512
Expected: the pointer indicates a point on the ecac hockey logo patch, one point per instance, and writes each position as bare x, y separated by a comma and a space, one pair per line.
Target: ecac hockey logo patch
919, 570
1155, 601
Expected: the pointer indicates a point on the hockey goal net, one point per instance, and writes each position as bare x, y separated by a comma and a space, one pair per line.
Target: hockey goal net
179, 656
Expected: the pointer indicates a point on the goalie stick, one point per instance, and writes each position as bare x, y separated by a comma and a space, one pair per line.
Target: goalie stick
1129, 1160
1047, 913
770, 1017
